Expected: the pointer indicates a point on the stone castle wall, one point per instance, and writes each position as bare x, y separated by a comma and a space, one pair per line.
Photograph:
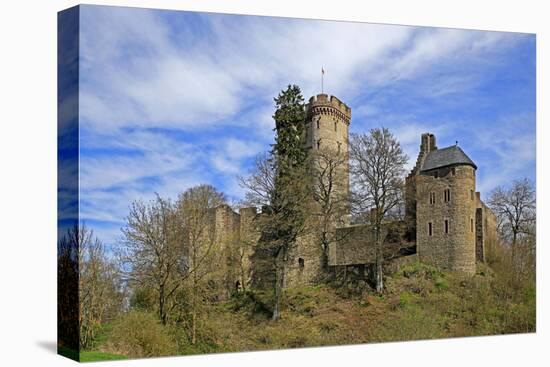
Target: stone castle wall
304, 264
443, 198
249, 237
451, 243
486, 228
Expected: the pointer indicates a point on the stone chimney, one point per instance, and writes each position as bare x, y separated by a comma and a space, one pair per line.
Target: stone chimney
427, 143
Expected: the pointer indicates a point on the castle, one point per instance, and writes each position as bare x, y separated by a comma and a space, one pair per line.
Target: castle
445, 222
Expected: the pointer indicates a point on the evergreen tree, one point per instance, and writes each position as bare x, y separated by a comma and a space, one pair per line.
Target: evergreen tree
287, 214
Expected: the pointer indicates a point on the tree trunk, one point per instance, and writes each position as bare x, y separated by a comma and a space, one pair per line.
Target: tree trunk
514, 240
194, 300
162, 314
279, 278
379, 277
325, 243
378, 271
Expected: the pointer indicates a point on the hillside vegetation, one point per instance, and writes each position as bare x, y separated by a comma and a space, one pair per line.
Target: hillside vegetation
420, 302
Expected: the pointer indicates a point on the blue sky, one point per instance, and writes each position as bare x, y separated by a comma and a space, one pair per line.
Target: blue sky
173, 99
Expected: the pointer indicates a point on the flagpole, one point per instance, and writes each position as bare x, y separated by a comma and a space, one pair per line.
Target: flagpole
322, 79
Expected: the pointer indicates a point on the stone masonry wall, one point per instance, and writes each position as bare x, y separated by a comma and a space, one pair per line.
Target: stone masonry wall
454, 250
249, 237
304, 264
328, 129
486, 228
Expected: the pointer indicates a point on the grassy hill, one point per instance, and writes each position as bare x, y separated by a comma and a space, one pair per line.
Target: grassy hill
420, 302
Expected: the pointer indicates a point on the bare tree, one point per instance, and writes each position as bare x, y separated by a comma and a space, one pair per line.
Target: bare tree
195, 209
170, 248
329, 191
153, 252
260, 184
377, 164
515, 210
100, 296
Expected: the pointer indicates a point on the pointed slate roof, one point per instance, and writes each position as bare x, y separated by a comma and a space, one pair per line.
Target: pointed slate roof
449, 156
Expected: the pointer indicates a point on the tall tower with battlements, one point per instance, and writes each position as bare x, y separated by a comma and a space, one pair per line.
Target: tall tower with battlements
328, 121
327, 133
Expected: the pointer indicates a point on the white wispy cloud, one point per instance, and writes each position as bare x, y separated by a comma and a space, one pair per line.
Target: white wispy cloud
132, 61
514, 148
147, 78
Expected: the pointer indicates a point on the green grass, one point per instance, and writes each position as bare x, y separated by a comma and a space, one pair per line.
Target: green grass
89, 356
93, 356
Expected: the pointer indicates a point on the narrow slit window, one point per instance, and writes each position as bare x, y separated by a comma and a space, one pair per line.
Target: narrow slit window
430, 229
335, 125
339, 147
446, 226
317, 123
447, 195
319, 144
472, 225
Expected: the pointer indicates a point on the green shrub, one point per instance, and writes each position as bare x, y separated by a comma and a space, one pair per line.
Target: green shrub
441, 283
140, 334
405, 299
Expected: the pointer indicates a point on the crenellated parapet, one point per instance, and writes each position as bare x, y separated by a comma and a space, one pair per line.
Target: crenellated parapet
322, 104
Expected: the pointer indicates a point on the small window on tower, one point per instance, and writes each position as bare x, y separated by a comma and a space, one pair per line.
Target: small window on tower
339, 147
318, 123
319, 144
432, 198
446, 226
472, 225
335, 125
430, 229
447, 195
453, 171
301, 263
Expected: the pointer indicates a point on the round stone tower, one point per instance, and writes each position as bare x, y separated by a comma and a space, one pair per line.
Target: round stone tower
446, 209
328, 129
